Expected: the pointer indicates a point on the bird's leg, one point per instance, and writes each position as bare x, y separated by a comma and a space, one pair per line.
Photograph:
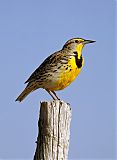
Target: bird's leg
55, 95
50, 94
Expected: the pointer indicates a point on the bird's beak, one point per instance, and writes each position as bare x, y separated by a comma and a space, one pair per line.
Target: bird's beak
88, 41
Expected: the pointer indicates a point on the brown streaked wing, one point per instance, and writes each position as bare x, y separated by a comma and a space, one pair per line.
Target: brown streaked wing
47, 64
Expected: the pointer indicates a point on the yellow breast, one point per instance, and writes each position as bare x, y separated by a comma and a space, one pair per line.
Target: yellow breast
68, 74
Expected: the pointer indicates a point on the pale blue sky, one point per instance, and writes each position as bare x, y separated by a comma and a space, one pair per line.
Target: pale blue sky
29, 32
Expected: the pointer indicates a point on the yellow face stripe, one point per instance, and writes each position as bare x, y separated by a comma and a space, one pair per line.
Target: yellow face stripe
79, 48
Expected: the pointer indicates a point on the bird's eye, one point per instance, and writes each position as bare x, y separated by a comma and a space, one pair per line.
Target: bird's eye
76, 41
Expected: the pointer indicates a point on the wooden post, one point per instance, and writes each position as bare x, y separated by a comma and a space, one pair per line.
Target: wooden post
54, 131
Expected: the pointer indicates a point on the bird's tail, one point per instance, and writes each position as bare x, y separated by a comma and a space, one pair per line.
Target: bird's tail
25, 92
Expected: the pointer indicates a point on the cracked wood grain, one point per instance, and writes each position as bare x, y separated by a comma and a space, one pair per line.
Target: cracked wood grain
54, 131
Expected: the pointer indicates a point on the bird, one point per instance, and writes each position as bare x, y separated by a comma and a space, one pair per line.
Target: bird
58, 70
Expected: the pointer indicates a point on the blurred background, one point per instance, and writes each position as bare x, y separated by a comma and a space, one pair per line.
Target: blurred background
29, 32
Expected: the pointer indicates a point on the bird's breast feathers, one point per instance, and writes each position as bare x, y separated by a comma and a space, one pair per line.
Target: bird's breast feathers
64, 75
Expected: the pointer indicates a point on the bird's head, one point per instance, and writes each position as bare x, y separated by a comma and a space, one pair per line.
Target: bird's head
76, 44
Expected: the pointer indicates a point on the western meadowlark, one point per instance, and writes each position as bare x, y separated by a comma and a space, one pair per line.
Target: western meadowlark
58, 70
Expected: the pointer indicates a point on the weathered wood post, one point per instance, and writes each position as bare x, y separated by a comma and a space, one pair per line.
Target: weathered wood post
54, 131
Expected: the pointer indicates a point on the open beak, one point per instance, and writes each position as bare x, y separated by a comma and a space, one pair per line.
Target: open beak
88, 41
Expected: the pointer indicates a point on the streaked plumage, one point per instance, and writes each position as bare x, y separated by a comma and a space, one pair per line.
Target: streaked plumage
58, 70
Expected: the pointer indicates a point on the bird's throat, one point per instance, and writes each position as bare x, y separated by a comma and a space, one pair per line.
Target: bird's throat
79, 50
